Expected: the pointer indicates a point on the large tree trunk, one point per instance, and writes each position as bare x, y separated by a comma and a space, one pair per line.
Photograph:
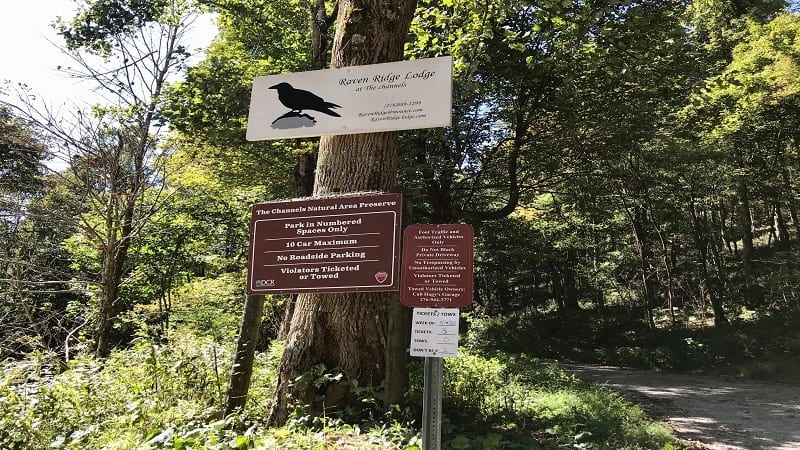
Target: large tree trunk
348, 331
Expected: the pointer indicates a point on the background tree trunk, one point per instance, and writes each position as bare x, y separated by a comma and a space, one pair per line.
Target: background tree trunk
751, 289
745, 227
713, 288
638, 219
119, 213
781, 228
348, 331
245, 354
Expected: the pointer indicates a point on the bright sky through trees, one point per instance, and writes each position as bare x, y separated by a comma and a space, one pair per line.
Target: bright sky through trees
30, 52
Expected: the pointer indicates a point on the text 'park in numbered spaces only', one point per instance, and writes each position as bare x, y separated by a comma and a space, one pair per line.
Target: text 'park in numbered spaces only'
339, 244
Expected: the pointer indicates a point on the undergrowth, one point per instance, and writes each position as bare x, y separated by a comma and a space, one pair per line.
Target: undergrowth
521, 402
168, 396
758, 346
143, 397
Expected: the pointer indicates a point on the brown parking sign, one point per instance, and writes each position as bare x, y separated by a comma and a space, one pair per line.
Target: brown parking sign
437, 266
335, 244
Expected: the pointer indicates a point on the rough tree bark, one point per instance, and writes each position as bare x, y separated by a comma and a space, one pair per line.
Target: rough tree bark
348, 331
305, 165
245, 354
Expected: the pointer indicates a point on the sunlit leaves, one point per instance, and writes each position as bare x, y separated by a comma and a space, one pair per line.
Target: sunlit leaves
761, 81
20, 155
102, 19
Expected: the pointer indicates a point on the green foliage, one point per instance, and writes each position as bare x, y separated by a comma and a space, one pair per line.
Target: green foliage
762, 342
168, 395
210, 306
100, 20
471, 380
164, 396
21, 155
719, 24
569, 123
339, 436
209, 106
516, 402
34, 266
159, 396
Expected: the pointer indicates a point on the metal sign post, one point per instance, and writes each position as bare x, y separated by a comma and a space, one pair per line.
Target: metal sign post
432, 404
436, 280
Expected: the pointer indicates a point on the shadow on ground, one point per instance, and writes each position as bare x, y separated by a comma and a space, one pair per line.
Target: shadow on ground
719, 413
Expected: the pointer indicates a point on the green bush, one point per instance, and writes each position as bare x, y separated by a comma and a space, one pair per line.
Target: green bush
133, 397
211, 306
154, 396
763, 342
507, 402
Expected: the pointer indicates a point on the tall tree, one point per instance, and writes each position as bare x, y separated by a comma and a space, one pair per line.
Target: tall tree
209, 108
348, 331
746, 117
126, 49
24, 324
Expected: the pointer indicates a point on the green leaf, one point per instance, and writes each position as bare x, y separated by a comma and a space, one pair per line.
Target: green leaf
461, 441
240, 442
492, 441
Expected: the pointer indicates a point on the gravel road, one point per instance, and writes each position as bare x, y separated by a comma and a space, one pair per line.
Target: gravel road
709, 412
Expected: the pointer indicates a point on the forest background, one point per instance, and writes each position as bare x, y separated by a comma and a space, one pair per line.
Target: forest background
630, 169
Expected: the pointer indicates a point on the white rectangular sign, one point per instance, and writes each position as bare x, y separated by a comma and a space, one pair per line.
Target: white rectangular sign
358, 99
434, 332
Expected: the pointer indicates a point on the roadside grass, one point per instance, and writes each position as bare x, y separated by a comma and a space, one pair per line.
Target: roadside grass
755, 346
526, 403
168, 395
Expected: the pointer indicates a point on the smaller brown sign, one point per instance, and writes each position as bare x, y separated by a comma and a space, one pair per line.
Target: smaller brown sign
336, 244
437, 266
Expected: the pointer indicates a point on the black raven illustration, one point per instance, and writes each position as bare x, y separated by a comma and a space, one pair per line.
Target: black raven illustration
298, 100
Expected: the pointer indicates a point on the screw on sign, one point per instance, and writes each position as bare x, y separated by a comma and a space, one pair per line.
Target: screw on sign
437, 266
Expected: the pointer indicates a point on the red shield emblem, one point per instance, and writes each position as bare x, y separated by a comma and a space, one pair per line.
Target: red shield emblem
380, 277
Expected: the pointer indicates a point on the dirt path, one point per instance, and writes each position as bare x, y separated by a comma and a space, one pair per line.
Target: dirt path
706, 412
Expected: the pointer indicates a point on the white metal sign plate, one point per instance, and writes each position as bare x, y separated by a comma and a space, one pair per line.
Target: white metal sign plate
358, 99
434, 332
